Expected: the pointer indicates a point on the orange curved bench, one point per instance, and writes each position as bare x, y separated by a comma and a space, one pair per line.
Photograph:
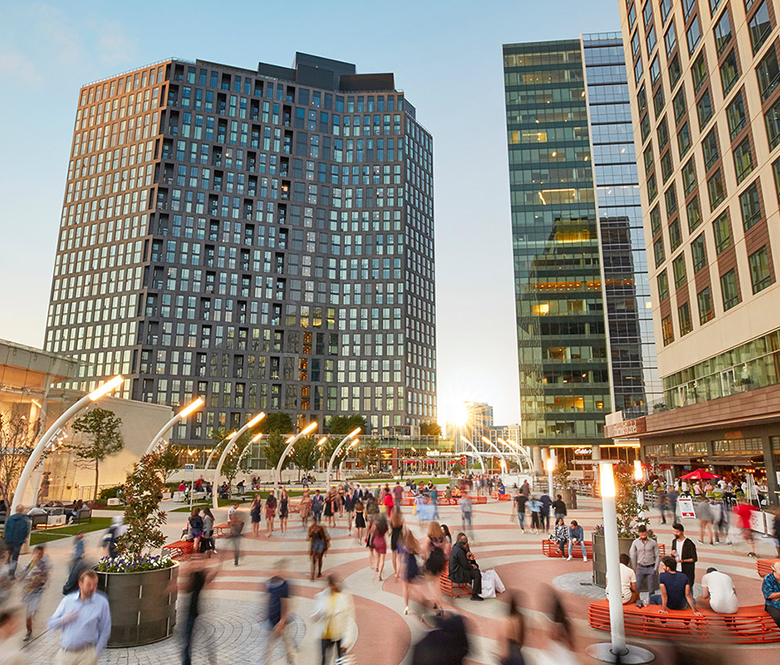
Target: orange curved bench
179, 549
500, 497
750, 625
550, 548
447, 587
764, 566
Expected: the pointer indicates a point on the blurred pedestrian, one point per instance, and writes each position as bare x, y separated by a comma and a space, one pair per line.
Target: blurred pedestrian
78, 550
513, 634
278, 615
560, 648
535, 507
331, 507
446, 644
284, 508
317, 505
194, 529
112, 535
520, 500
409, 549
465, 513
744, 511
270, 513
704, 515
35, 577
236, 524
377, 532
196, 574
397, 526
304, 508
350, 501
10, 647
437, 553
334, 612
207, 537
17, 528
319, 543
255, 512
544, 511
360, 521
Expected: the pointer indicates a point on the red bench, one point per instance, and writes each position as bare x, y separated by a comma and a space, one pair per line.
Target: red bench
550, 548
750, 625
222, 530
179, 550
764, 566
500, 497
453, 590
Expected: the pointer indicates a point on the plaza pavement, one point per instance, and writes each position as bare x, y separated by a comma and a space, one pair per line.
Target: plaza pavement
231, 628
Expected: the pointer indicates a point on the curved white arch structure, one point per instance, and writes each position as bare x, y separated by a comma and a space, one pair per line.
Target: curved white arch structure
349, 436
476, 452
290, 443
228, 447
186, 411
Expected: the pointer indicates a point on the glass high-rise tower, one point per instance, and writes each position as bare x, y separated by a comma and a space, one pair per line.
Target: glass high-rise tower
584, 326
262, 238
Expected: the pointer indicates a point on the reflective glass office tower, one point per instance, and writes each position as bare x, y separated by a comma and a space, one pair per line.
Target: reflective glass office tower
570, 164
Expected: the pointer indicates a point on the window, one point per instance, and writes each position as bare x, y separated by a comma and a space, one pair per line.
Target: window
709, 147
678, 267
722, 33
688, 6
644, 126
693, 213
684, 318
704, 109
666, 7
652, 188
658, 100
675, 238
699, 253
648, 157
736, 116
647, 13
729, 289
729, 72
655, 220
641, 100
750, 206
760, 275
689, 176
663, 285
670, 39
655, 70
675, 71
716, 188
667, 329
760, 27
699, 72
743, 160
650, 38
635, 43
693, 35
666, 165
679, 106
658, 250
684, 140
638, 71
670, 198
714, 4
776, 174
631, 17
768, 74
772, 122
704, 298
721, 228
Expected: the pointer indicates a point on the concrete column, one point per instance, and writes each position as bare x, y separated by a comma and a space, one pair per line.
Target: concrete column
771, 469
595, 453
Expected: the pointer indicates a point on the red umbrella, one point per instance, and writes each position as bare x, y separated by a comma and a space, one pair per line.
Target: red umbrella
699, 474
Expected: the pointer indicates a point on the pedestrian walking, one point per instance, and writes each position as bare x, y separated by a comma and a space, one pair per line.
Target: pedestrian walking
270, 513
195, 529
558, 507
112, 535
377, 532
278, 616
663, 503
330, 507
196, 574
535, 507
236, 524
350, 501
437, 553
433, 495
319, 543
520, 500
397, 527
560, 648
513, 634
35, 577
360, 521
304, 508
409, 549
465, 513
684, 553
334, 613
10, 647
17, 528
284, 508
255, 512
78, 550
84, 621
544, 512
704, 515
317, 505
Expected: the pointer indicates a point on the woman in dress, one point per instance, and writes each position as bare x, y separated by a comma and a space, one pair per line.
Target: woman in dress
319, 542
409, 548
305, 508
360, 521
270, 513
396, 530
35, 577
207, 538
437, 555
284, 507
378, 543
330, 507
195, 529
255, 513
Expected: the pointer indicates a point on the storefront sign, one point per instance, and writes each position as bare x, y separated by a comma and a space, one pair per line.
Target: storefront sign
685, 505
583, 451
626, 428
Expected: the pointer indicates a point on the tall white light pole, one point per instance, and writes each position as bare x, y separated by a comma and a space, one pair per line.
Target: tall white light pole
488, 442
57, 441
341, 466
514, 452
349, 436
45, 440
610, 652
186, 411
290, 443
550, 462
639, 476
225, 451
476, 451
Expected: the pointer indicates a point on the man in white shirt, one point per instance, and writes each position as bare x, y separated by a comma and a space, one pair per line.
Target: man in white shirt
628, 591
718, 593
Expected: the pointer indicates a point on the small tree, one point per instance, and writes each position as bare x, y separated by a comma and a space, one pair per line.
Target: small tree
276, 422
143, 517
101, 437
369, 452
561, 474
329, 447
169, 461
430, 428
457, 467
346, 424
305, 455
17, 438
628, 509
274, 449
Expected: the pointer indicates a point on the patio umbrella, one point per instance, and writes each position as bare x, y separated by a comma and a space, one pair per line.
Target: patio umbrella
699, 474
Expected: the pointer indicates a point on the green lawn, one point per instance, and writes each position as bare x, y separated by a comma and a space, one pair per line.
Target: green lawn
56, 533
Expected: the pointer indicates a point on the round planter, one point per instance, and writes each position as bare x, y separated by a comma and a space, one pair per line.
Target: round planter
569, 497
143, 605
600, 557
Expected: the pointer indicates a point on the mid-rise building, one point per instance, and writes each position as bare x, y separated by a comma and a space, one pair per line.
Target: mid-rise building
705, 98
584, 329
260, 237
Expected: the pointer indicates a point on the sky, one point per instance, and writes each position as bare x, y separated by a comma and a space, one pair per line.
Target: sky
446, 56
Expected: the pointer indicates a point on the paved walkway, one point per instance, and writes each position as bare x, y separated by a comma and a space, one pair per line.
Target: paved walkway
231, 629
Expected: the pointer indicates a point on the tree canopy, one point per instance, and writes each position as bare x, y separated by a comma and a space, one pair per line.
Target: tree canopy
430, 428
305, 454
279, 421
346, 424
101, 438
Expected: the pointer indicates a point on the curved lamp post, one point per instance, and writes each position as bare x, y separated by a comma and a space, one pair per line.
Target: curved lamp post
56, 442
514, 452
214, 450
228, 447
32, 462
248, 447
186, 411
290, 443
349, 436
341, 466
526, 456
476, 451
488, 442
550, 464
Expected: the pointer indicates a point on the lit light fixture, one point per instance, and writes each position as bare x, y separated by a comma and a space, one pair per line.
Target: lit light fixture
550, 464
106, 388
354, 432
256, 419
607, 480
194, 406
256, 438
322, 440
638, 473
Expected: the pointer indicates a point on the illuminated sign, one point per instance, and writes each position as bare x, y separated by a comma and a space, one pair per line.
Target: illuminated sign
583, 451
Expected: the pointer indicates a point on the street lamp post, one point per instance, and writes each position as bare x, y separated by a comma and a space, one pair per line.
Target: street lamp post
639, 476
476, 451
290, 443
617, 649
228, 447
514, 452
341, 466
550, 462
349, 436
45, 440
488, 442
186, 411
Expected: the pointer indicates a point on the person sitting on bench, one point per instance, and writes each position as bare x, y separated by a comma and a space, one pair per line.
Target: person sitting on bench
461, 570
717, 592
675, 589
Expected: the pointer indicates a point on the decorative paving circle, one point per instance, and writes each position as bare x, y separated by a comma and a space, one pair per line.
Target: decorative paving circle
227, 631
581, 584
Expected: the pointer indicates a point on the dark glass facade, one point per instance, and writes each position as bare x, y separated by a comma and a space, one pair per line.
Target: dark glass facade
564, 271
262, 238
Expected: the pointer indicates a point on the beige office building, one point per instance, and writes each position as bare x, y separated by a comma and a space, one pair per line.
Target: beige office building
704, 81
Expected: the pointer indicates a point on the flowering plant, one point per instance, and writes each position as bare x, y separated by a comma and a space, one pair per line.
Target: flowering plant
129, 564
